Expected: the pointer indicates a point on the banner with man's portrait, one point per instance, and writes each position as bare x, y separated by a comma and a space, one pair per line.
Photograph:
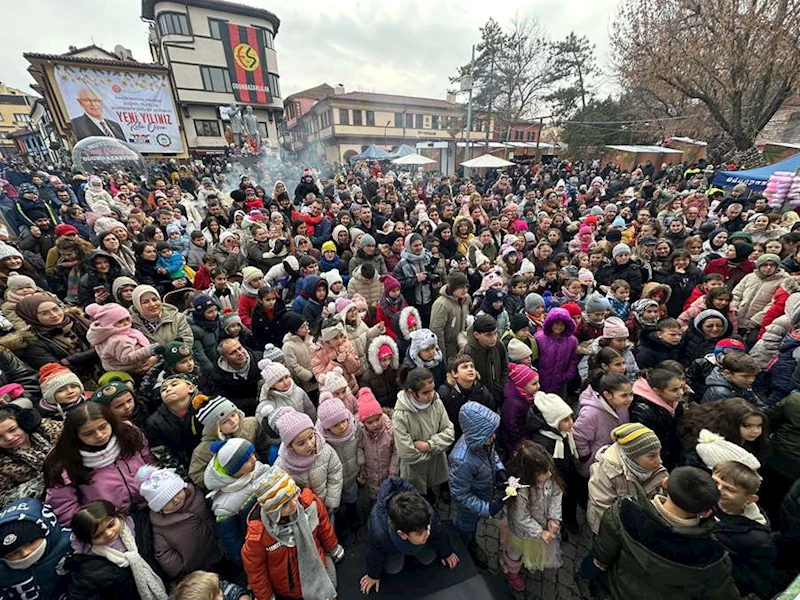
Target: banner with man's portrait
130, 106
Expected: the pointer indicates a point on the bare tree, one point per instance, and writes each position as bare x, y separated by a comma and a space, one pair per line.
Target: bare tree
739, 58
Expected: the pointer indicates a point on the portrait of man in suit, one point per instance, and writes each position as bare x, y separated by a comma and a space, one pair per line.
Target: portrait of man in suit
91, 122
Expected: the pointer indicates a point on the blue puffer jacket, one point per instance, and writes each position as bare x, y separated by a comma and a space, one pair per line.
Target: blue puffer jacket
45, 579
784, 367
473, 466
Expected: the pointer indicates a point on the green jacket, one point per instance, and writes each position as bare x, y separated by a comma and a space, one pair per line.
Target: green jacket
448, 321
647, 557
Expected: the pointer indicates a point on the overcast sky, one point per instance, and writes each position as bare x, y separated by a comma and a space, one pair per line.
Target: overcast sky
400, 46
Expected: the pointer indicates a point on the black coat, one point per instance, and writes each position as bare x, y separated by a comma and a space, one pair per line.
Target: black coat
682, 285
652, 350
454, 397
630, 272
43, 350
13, 370
242, 392
663, 424
696, 345
177, 436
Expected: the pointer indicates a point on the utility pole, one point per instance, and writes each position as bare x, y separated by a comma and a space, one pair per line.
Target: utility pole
467, 150
491, 97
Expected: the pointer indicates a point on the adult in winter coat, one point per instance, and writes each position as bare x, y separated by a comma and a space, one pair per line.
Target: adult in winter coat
734, 266
704, 331
27, 442
100, 269
45, 578
782, 378
367, 254
415, 275
449, 313
370, 288
159, 322
558, 357
235, 376
682, 277
621, 267
753, 293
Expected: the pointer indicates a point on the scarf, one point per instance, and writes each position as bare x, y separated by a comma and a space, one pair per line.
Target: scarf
636, 470
60, 410
419, 259
341, 440
148, 584
151, 326
30, 560
102, 457
558, 450
294, 462
73, 281
392, 306
570, 297
428, 364
418, 406
297, 531
250, 291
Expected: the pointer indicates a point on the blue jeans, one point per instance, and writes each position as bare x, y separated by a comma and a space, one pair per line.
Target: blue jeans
466, 523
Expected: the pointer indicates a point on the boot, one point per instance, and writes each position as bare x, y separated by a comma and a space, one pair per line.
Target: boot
479, 557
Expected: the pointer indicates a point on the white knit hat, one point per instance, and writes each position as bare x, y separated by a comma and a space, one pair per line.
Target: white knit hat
334, 380
213, 412
518, 350
713, 449
7, 250
553, 408
272, 372
159, 486
251, 273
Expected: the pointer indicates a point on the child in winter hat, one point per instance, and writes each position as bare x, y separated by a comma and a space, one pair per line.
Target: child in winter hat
178, 358
278, 391
519, 352
376, 444
424, 351
119, 346
557, 416
714, 449
160, 487
273, 353
334, 383
62, 390
522, 384
214, 415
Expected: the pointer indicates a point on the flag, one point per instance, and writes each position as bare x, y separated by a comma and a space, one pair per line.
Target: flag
247, 63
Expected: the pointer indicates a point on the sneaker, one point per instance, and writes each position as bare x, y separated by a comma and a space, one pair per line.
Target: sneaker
479, 557
516, 581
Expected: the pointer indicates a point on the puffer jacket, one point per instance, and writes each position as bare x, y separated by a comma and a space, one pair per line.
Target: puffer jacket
610, 479
46, 578
532, 507
324, 358
171, 327
383, 383
783, 369
592, 429
271, 400
325, 476
695, 344
272, 568
513, 418
360, 336
380, 456
184, 540
784, 419
650, 410
766, 348
422, 469
558, 356
719, 388
752, 296
370, 290
454, 397
205, 343
297, 354
473, 465
448, 320
117, 350
229, 494
249, 429
115, 482
350, 456
777, 306
653, 350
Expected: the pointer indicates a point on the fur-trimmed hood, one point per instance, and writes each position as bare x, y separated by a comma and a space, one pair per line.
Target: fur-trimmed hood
372, 353
791, 284
651, 288
403, 321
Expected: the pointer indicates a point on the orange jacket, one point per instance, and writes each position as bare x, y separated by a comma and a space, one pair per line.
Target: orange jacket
273, 570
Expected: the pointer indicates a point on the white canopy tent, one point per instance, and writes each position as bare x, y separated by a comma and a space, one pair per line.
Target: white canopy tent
487, 161
413, 159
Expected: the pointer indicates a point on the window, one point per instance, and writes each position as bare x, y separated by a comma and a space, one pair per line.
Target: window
22, 118
325, 120
344, 116
262, 129
216, 79
267, 39
356, 117
398, 120
2, 118
371, 118
215, 28
207, 128
409, 120
274, 86
419, 121
171, 23
434, 121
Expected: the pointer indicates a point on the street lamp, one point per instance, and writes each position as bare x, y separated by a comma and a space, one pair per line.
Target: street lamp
384, 132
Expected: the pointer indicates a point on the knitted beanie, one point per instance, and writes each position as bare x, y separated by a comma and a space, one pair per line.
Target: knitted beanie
343, 305
158, 486
291, 423
367, 404
620, 249
518, 321
173, 353
272, 372
329, 246
16, 533
553, 408
596, 303
331, 331
274, 489
635, 439
213, 412
389, 283
53, 377
200, 304
333, 380
17, 282
521, 375
366, 240
231, 454
332, 411
106, 394
573, 308
230, 318
273, 353
7, 250
422, 339
111, 376
614, 328
107, 314
518, 350
251, 273
768, 257
360, 302
713, 449
729, 345
532, 302
292, 322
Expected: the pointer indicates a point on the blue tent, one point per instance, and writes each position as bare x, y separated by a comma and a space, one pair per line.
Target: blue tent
756, 179
402, 150
372, 153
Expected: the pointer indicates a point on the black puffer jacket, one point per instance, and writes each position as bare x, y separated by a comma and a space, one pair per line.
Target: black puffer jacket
663, 425
652, 350
179, 437
454, 397
13, 370
630, 272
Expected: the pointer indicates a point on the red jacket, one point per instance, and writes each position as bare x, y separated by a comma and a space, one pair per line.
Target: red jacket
775, 310
202, 279
274, 571
247, 304
696, 293
732, 275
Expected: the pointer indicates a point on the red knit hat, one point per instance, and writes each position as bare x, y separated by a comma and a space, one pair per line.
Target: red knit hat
65, 229
367, 404
521, 375
572, 308
389, 283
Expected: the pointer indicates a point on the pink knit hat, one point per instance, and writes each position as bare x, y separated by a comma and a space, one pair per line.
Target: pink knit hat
614, 327
342, 304
291, 423
367, 404
107, 314
332, 411
490, 280
384, 350
521, 375
360, 302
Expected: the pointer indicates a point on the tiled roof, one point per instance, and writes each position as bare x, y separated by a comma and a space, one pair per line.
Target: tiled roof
316, 93
89, 60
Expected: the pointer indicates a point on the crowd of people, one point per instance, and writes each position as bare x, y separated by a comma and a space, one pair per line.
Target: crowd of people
200, 377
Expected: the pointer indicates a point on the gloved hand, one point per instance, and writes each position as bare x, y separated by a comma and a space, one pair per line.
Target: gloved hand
495, 506
156, 350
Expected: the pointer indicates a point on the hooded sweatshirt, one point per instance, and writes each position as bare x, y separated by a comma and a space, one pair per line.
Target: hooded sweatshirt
558, 357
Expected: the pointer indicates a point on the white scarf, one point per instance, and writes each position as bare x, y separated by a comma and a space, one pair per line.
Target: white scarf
148, 584
101, 458
27, 562
558, 451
